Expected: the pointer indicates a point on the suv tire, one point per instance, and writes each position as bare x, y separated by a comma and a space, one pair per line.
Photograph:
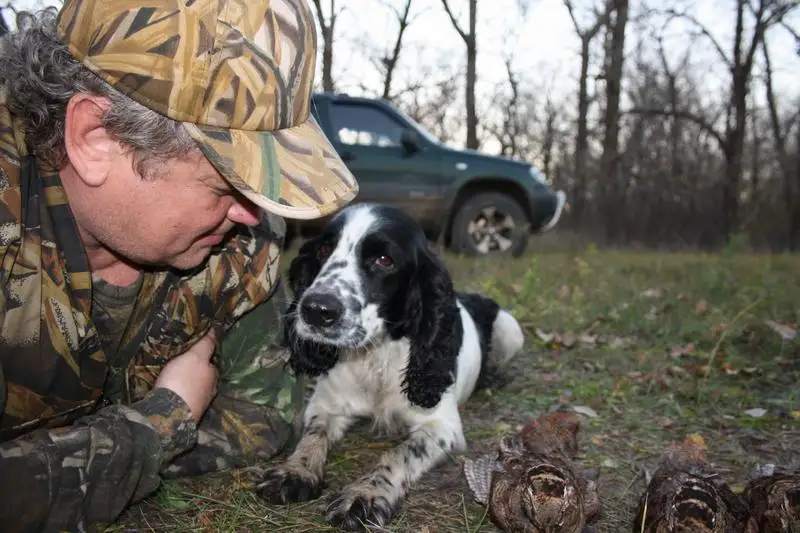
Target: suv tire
490, 223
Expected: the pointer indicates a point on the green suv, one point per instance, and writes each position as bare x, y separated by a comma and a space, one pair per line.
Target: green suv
476, 203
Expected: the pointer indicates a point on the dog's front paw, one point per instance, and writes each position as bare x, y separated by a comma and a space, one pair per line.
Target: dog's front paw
286, 484
357, 506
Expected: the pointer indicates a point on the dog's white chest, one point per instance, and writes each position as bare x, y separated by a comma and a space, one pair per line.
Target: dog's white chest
371, 385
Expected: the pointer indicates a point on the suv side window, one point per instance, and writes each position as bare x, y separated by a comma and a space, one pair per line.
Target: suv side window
365, 126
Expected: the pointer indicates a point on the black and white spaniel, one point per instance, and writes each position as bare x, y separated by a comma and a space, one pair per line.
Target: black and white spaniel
376, 319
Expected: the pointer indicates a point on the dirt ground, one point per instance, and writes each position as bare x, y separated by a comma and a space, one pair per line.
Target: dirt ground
649, 347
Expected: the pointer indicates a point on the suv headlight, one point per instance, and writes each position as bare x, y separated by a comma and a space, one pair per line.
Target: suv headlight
537, 175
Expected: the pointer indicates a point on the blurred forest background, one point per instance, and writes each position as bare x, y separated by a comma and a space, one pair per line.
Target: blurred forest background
670, 125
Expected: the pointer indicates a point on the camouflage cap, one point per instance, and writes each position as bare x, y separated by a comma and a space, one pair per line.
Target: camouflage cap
238, 74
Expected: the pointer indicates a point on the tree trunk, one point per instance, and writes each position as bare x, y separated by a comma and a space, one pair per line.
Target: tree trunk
610, 158
582, 133
472, 56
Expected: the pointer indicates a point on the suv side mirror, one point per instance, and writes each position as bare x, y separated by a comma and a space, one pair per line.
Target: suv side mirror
409, 140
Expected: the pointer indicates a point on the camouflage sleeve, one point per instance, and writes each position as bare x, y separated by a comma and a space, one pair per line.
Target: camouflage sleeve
85, 474
256, 413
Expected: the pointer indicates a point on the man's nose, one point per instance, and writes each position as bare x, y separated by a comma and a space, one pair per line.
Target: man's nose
244, 212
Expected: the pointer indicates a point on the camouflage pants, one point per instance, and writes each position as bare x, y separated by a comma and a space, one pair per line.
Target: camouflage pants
256, 413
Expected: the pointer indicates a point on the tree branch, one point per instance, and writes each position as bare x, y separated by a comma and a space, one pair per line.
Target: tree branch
673, 14
454, 21
682, 114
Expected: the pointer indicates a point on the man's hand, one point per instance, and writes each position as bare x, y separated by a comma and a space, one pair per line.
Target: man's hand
192, 376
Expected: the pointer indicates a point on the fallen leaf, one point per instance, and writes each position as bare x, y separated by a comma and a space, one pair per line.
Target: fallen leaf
729, 369
681, 297
680, 351
697, 439
585, 338
652, 293
752, 371
564, 292
795, 415
701, 306
584, 410
543, 335
597, 440
666, 423
609, 463
787, 333
550, 377
756, 412
569, 339
697, 370
718, 329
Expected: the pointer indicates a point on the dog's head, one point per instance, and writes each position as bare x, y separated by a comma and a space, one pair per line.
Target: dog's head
368, 277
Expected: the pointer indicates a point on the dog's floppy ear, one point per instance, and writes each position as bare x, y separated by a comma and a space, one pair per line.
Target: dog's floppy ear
434, 330
306, 357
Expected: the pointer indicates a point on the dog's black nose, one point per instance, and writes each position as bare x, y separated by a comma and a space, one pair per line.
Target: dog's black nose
321, 310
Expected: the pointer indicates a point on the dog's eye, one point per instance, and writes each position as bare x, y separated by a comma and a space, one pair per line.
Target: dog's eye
384, 261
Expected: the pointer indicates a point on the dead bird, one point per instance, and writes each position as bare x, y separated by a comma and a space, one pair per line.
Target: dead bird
686, 495
529, 485
773, 495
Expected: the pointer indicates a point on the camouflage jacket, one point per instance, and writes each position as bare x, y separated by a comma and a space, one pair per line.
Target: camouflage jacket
53, 368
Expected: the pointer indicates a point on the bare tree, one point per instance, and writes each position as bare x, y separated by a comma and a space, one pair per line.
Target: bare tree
581, 153
389, 60
617, 20
471, 42
790, 177
327, 25
731, 138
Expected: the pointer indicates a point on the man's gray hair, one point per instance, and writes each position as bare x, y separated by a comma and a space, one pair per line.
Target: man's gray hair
40, 76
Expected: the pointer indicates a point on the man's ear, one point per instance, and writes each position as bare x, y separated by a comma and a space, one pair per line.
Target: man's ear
90, 148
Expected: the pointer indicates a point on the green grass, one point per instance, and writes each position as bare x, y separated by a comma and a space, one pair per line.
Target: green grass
658, 345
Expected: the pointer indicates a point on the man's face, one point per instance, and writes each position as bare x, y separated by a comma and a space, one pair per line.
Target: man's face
178, 214
172, 216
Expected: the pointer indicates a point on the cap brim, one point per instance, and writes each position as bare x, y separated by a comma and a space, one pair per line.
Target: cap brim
294, 172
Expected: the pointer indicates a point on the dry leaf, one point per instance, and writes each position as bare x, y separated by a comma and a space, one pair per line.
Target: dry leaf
701, 306
756, 412
564, 292
543, 335
666, 423
697, 439
569, 339
697, 370
550, 377
729, 369
652, 293
584, 410
718, 329
787, 333
680, 351
795, 415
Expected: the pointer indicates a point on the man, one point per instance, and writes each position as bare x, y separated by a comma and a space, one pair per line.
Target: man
148, 151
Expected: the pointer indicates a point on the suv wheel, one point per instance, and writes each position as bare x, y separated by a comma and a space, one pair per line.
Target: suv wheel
490, 224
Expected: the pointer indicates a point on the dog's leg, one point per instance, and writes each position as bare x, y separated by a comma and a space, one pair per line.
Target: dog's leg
375, 498
300, 477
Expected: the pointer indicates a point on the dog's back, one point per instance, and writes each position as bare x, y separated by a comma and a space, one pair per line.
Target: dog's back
501, 336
